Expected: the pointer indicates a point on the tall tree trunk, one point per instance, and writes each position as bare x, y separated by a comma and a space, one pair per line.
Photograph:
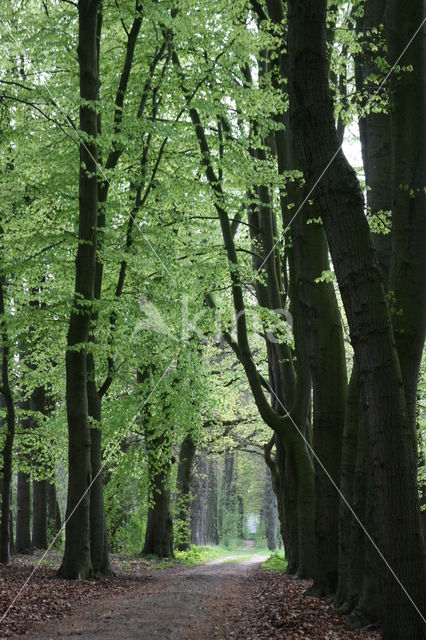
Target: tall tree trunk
408, 121
340, 200
38, 405
270, 512
347, 485
23, 513
159, 529
183, 493
23, 494
76, 562
198, 509
53, 513
317, 316
227, 501
9, 425
369, 608
99, 553
39, 537
212, 532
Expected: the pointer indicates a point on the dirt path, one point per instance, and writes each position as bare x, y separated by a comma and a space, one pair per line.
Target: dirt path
175, 604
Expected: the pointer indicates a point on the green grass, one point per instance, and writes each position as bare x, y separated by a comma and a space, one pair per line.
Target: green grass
198, 555
276, 562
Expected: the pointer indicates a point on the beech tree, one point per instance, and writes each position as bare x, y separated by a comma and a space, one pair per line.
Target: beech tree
358, 275
182, 333
76, 562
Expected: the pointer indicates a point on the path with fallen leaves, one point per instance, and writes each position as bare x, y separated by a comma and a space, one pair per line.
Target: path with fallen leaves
226, 600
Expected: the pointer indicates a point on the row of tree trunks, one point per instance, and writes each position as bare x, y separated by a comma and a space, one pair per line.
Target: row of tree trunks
46, 522
383, 402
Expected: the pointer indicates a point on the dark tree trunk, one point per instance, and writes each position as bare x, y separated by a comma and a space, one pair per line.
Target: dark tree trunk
23, 513
23, 491
199, 504
316, 317
322, 332
76, 562
159, 529
286, 495
39, 537
11, 536
9, 425
369, 608
408, 125
227, 501
347, 483
54, 523
356, 551
99, 553
38, 405
212, 532
270, 512
183, 493
340, 200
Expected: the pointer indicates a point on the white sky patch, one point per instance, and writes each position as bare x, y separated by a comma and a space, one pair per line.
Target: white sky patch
352, 146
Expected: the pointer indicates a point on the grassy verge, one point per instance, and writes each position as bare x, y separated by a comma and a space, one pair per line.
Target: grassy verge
276, 562
198, 555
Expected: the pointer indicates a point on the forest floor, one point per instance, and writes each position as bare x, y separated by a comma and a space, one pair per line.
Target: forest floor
228, 598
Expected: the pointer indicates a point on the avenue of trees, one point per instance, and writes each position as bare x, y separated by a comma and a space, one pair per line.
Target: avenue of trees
206, 312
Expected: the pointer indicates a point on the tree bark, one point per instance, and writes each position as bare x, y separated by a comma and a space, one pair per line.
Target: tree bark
9, 425
183, 493
199, 504
76, 562
39, 537
54, 523
99, 553
23, 494
407, 277
159, 529
212, 533
347, 485
341, 203
23, 513
270, 512
318, 331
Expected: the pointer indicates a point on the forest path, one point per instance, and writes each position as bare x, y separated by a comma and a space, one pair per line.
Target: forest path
174, 604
